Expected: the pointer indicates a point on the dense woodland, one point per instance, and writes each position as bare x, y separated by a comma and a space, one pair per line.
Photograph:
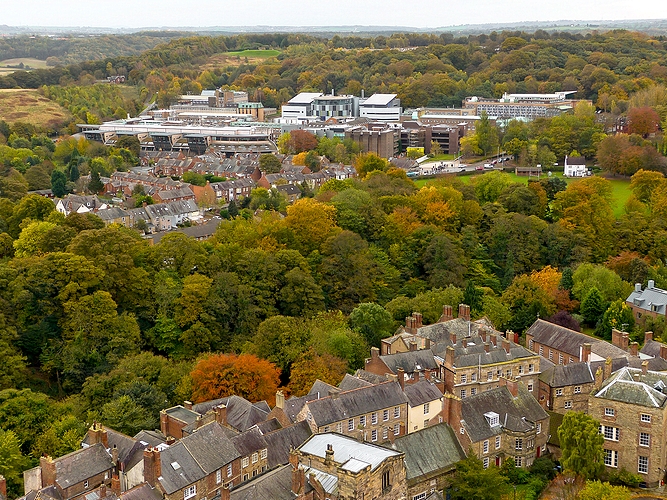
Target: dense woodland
97, 324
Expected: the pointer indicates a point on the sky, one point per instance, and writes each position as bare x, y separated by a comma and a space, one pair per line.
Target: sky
419, 14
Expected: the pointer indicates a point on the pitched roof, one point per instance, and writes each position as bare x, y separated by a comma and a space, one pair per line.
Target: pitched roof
353, 455
275, 484
280, 442
410, 361
82, 464
142, 492
570, 374
356, 402
421, 392
429, 451
350, 382
631, 385
650, 299
515, 414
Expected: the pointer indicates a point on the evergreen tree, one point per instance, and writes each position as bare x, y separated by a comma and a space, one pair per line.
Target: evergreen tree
593, 306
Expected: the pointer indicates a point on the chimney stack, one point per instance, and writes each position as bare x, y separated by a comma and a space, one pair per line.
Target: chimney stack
644, 367
427, 343
103, 491
152, 466
651, 284
634, 349
585, 355
329, 455
638, 287
400, 373
224, 491
648, 336
98, 434
464, 312
280, 399
512, 385
487, 347
114, 455
3, 486
334, 393
449, 357
413, 345
418, 320
221, 414
187, 405
620, 339
607, 368
452, 337
115, 484
447, 314
506, 345
48, 467
410, 325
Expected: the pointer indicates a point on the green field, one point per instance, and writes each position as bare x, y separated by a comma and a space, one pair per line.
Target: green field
254, 54
621, 187
28, 63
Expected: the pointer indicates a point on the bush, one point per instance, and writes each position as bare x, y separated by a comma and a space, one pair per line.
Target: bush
624, 478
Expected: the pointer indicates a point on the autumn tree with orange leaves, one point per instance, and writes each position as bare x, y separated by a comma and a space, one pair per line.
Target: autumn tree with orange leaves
219, 375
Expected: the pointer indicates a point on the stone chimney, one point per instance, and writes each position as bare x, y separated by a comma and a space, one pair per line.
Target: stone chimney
187, 405
413, 345
663, 351
487, 347
512, 385
607, 368
410, 325
449, 357
427, 343
114, 455
447, 314
620, 339
452, 337
115, 484
506, 345
400, 373
599, 377
375, 352
585, 351
482, 334
418, 320
329, 455
464, 312
221, 414
48, 471
152, 466
280, 400
494, 339
634, 349
648, 336
97, 434
644, 367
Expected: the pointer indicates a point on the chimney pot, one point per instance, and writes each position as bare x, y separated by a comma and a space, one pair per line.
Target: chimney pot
638, 287
648, 336
634, 349
280, 399
663, 351
644, 367
187, 405
400, 373
651, 284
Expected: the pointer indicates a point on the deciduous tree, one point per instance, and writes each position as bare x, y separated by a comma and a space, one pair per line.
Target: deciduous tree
581, 444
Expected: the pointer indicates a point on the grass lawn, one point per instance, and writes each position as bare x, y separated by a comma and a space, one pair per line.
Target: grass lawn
28, 63
238, 57
255, 54
32, 107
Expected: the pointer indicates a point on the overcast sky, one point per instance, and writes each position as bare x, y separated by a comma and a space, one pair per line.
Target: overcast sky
420, 13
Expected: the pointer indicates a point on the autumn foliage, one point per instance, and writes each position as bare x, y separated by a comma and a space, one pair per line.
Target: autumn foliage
219, 375
311, 367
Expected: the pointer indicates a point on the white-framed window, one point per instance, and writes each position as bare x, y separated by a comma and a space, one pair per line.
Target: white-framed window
486, 462
374, 418
190, 492
609, 412
397, 411
397, 429
520, 369
350, 424
571, 359
485, 446
374, 435
508, 373
489, 375
610, 433
229, 470
568, 405
426, 408
245, 462
218, 476
539, 427
463, 393
530, 387
473, 377
531, 368
644, 439
642, 465
263, 454
473, 391
246, 477
255, 457
518, 461
560, 358
551, 355
577, 389
645, 417
339, 427
464, 378
611, 458
531, 344
541, 351
559, 392
385, 415
362, 420
518, 444
85, 484
385, 433
497, 442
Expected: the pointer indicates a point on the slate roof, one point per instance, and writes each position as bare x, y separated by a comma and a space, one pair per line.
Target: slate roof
350, 382
126, 445
370, 377
142, 492
421, 392
249, 442
241, 413
630, 385
82, 464
196, 456
651, 299
353, 455
281, 441
565, 375
433, 450
321, 388
410, 361
275, 485
294, 405
356, 402
440, 332
511, 412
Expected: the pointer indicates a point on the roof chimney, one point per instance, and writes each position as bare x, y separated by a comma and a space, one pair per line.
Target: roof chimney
400, 373
644, 367
607, 368
638, 287
3, 486
413, 345
464, 312
418, 320
648, 336
375, 352
329, 455
114, 455
48, 467
634, 349
663, 351
585, 351
487, 347
333, 392
221, 414
280, 399
452, 337
152, 466
224, 491
115, 484
187, 405
103, 491
447, 314
651, 284
506, 345
449, 357
512, 385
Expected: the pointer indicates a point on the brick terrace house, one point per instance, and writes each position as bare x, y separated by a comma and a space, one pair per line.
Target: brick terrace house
501, 423
632, 409
375, 413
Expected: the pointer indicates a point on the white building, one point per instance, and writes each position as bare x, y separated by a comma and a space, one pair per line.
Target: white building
575, 167
381, 107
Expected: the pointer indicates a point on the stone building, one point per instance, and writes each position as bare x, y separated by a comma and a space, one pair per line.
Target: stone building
566, 388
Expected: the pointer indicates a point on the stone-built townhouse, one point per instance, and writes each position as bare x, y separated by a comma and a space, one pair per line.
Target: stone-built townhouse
377, 413
424, 404
506, 422
631, 407
566, 388
410, 366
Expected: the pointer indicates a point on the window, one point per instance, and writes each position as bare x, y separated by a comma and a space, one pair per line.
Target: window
385, 415
520, 369
508, 373
541, 351
463, 393
486, 462
263, 454
577, 389
645, 417
374, 418
426, 408
551, 355
189, 492
85, 484
426, 423
518, 461
327, 428
218, 476
486, 446
464, 378
397, 411
473, 377
611, 458
610, 433
493, 418
255, 457
362, 420
530, 387
473, 391
560, 359
559, 392
539, 428
397, 429
385, 481
385, 433
531, 344
489, 376
350, 424
642, 466
531, 368
568, 405
644, 439
229, 470
374, 435
518, 444
497, 442
571, 359
421, 496
339, 427
246, 477
609, 412
245, 462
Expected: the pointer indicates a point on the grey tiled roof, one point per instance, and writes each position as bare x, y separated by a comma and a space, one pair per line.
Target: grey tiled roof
356, 402
651, 299
350, 382
429, 451
570, 374
421, 392
321, 388
411, 361
142, 492
274, 485
281, 441
82, 464
630, 385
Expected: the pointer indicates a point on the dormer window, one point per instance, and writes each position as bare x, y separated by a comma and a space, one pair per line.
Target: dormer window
492, 418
